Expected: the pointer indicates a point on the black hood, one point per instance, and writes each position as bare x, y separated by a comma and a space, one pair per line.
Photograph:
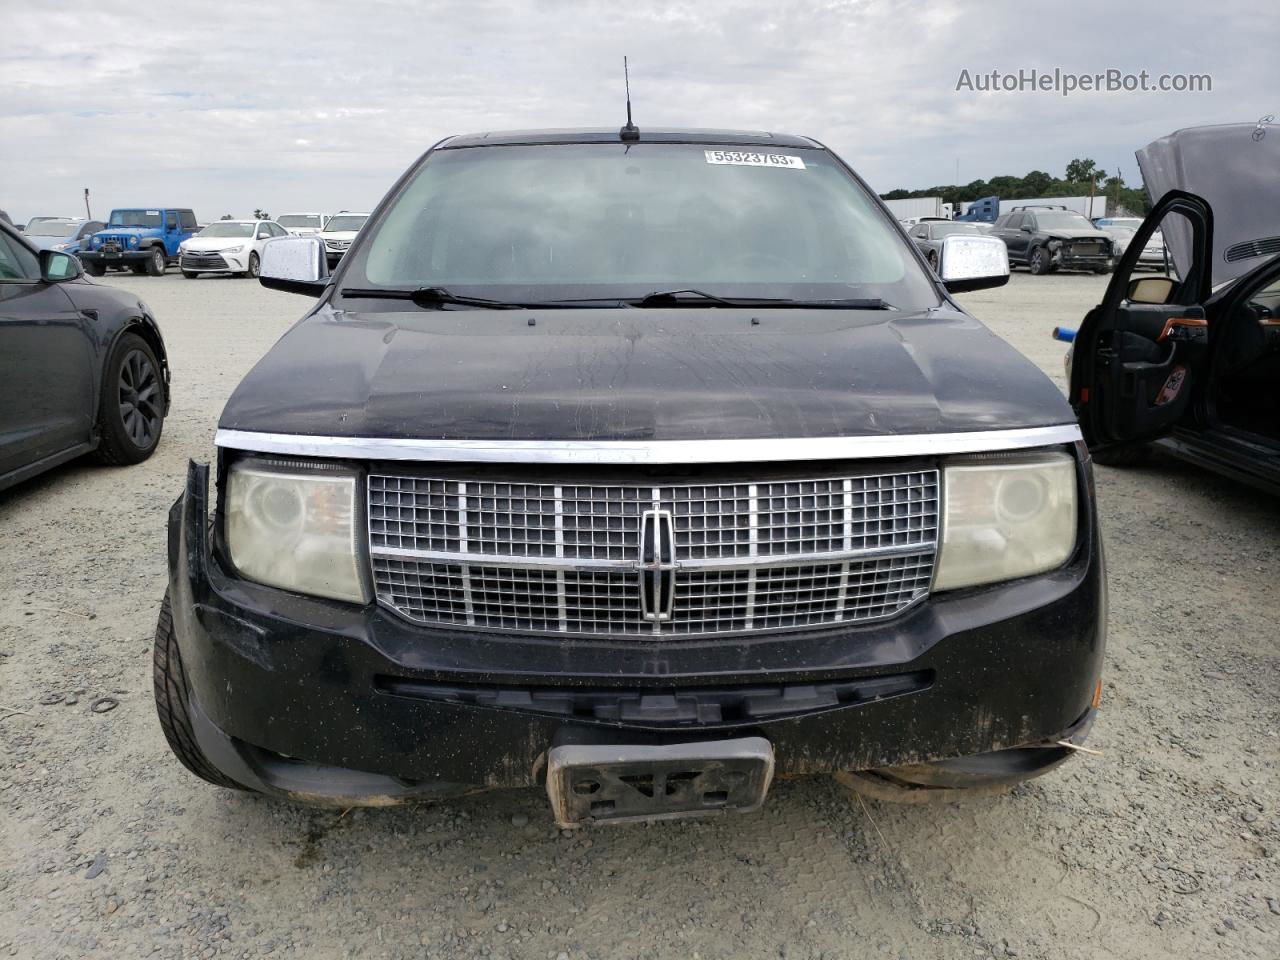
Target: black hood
640, 374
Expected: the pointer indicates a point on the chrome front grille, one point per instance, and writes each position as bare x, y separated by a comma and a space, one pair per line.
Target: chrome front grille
592, 559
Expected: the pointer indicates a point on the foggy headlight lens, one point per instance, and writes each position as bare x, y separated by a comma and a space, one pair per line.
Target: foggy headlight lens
295, 528
1006, 520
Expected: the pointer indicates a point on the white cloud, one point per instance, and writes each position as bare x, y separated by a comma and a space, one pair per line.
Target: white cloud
316, 104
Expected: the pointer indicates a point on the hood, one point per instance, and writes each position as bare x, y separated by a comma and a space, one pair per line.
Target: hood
618, 374
1234, 167
339, 234
214, 243
127, 231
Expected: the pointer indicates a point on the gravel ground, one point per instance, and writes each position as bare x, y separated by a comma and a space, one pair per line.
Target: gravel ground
1165, 846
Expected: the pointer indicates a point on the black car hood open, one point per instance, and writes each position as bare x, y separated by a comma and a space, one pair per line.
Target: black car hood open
640, 374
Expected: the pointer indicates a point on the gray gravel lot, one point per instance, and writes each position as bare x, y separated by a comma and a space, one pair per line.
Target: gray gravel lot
1167, 845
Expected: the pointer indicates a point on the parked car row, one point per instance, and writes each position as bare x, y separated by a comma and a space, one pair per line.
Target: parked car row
148, 240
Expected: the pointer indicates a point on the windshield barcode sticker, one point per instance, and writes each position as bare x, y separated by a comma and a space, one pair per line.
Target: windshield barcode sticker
741, 159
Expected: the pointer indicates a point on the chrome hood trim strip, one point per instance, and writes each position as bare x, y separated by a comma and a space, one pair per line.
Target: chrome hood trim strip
648, 452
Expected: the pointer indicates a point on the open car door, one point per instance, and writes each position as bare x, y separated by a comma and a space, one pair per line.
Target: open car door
1137, 354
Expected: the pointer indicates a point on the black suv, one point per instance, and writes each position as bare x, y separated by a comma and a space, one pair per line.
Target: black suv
648, 466
1047, 237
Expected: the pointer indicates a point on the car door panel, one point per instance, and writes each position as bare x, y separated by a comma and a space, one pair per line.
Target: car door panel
1134, 365
48, 387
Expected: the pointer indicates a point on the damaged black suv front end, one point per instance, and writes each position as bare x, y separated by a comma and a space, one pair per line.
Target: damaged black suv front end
645, 552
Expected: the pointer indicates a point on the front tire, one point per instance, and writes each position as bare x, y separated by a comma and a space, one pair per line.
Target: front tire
169, 680
157, 262
1038, 261
95, 269
255, 267
190, 274
131, 414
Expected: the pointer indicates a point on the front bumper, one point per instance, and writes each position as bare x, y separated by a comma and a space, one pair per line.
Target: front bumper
214, 262
326, 702
107, 259
1068, 260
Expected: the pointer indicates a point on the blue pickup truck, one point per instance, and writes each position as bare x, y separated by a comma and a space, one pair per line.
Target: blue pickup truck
144, 239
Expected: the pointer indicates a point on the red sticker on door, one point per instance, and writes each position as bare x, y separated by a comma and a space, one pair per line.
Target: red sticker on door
1172, 386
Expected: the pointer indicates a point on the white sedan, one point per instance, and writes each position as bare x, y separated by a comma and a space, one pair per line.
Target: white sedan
227, 246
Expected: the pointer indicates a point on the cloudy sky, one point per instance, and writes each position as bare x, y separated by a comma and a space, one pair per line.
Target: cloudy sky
307, 104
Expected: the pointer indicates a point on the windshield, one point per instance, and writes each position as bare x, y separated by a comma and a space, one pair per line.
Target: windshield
299, 220
54, 228
344, 224
135, 218
604, 220
946, 229
227, 229
1063, 221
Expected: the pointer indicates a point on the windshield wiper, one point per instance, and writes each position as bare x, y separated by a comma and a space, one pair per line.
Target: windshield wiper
691, 297
427, 297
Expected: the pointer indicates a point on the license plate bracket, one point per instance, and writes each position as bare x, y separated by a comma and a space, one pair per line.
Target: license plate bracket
627, 782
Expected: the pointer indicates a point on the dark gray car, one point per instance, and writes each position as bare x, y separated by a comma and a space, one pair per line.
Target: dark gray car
84, 365
928, 234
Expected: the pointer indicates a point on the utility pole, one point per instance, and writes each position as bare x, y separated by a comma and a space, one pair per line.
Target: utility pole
87, 214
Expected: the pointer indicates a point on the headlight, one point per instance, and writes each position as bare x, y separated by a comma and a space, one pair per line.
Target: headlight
61, 246
1006, 520
232, 249
1054, 244
295, 527
133, 241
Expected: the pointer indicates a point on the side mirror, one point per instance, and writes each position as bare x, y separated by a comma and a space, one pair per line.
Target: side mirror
294, 265
1150, 290
58, 267
970, 262
1026, 228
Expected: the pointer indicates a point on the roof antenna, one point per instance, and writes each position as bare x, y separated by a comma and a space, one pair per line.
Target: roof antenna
630, 131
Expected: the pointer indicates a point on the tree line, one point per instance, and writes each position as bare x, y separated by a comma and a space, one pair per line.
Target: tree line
1081, 177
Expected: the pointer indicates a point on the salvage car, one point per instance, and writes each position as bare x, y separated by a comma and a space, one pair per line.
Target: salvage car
1122, 235
62, 233
141, 239
929, 234
85, 369
339, 233
1048, 237
228, 246
303, 224
643, 466
1188, 363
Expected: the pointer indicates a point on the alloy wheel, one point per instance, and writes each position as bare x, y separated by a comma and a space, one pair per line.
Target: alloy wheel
139, 389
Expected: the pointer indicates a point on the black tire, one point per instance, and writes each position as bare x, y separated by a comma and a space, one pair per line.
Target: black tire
138, 268
933, 260
1103, 270
169, 680
131, 414
1125, 455
95, 269
157, 262
254, 267
190, 274
1038, 261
